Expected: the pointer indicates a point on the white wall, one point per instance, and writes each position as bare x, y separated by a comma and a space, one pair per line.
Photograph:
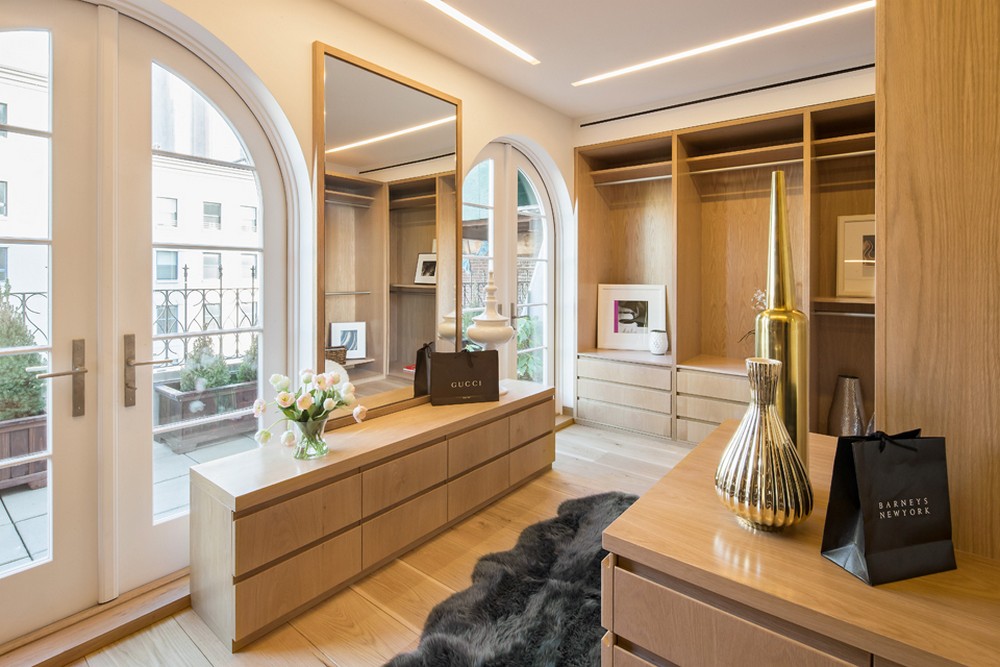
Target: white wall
275, 39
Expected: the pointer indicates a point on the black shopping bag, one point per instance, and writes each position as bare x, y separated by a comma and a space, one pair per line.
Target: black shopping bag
464, 377
422, 370
889, 516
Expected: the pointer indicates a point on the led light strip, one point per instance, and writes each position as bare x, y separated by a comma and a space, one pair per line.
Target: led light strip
715, 46
482, 30
391, 135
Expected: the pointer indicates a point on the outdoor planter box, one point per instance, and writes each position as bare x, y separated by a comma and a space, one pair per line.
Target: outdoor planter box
20, 437
176, 405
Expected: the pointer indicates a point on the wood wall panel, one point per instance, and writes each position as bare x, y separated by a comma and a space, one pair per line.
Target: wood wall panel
846, 187
939, 221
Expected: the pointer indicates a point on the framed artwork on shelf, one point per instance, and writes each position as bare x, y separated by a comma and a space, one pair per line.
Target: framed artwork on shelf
426, 269
350, 335
627, 313
856, 255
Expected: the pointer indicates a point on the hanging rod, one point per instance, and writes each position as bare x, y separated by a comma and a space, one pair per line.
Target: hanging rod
756, 165
836, 313
634, 180
341, 202
837, 156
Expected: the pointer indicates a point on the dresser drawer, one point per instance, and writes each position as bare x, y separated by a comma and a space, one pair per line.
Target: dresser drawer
622, 658
689, 430
476, 487
532, 457
709, 410
643, 421
480, 444
620, 394
402, 526
700, 634
277, 530
287, 585
401, 478
655, 377
715, 385
528, 424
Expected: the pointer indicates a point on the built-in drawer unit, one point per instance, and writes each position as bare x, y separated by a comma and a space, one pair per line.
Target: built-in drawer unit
706, 398
271, 535
625, 389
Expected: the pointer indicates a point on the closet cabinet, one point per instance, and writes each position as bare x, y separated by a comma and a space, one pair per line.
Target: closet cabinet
689, 209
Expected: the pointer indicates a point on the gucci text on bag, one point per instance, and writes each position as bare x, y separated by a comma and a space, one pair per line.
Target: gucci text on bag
466, 383
894, 509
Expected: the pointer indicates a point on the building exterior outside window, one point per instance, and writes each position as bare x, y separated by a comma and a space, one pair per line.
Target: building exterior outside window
3, 198
166, 211
212, 215
210, 262
248, 219
166, 265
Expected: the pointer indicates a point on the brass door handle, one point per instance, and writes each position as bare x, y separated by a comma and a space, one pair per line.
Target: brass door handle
131, 364
152, 362
78, 371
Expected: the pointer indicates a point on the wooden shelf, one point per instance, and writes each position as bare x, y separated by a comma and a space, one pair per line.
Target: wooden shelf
629, 356
418, 201
348, 198
413, 289
844, 146
351, 363
633, 173
347, 293
832, 305
752, 157
713, 364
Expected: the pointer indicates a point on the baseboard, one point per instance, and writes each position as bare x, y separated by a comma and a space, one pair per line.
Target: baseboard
73, 638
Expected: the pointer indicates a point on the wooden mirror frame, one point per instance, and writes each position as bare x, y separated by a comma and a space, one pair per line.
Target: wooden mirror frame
386, 402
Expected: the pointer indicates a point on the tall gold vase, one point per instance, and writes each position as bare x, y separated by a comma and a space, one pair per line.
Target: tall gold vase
782, 331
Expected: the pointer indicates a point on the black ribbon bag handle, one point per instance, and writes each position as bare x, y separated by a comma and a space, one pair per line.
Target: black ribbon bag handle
422, 370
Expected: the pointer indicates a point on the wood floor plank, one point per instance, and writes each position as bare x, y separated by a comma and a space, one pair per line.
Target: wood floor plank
403, 592
530, 504
353, 632
283, 646
162, 644
586, 478
586, 439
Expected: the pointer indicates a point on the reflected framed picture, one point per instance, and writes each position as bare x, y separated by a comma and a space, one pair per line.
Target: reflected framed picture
856, 255
626, 314
350, 335
426, 269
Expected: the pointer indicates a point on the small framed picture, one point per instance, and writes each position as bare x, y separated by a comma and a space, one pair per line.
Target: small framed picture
856, 255
350, 335
627, 313
426, 269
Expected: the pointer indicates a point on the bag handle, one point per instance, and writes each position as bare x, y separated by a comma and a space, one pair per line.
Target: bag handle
884, 438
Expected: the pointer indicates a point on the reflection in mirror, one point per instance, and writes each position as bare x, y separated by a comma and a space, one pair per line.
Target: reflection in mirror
386, 227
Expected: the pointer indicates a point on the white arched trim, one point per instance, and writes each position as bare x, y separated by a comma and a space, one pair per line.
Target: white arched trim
564, 253
287, 151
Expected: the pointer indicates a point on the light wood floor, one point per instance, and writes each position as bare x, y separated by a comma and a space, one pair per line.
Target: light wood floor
382, 615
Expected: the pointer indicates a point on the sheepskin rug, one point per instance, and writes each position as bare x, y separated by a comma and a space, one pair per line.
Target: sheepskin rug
537, 604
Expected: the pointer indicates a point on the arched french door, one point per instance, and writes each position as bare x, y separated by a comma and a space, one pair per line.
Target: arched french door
508, 229
142, 258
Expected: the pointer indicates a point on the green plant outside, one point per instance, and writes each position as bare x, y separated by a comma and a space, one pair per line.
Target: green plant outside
204, 369
21, 393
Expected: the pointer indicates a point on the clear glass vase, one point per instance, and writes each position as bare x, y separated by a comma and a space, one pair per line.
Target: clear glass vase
760, 476
311, 444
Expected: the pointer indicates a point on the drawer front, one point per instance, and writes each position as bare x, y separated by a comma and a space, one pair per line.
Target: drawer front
282, 588
656, 377
403, 525
480, 444
478, 486
623, 394
528, 424
693, 431
533, 457
404, 477
653, 423
622, 658
715, 385
700, 634
709, 410
275, 531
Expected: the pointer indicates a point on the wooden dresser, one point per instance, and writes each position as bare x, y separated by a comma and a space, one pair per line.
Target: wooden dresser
685, 584
272, 536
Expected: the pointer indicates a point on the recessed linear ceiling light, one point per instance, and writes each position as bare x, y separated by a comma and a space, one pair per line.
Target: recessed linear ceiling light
482, 30
843, 11
392, 135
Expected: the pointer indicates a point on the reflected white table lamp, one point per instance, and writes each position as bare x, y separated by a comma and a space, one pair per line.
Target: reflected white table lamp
491, 329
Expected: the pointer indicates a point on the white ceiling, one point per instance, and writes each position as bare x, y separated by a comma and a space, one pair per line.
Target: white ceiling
575, 39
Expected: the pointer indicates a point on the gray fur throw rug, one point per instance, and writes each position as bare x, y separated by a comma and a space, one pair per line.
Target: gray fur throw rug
538, 604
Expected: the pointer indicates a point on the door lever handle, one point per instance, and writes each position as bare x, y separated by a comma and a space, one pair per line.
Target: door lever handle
78, 371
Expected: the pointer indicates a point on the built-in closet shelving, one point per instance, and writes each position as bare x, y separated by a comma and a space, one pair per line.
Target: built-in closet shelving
690, 210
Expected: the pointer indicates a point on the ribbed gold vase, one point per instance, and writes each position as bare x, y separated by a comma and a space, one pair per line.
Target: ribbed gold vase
761, 477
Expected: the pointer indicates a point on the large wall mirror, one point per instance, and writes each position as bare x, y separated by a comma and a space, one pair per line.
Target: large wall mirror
386, 151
